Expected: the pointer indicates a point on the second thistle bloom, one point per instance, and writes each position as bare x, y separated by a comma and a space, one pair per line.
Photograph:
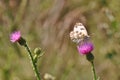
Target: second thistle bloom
85, 48
15, 36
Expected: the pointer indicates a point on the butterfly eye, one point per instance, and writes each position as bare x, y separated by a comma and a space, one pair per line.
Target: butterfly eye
82, 29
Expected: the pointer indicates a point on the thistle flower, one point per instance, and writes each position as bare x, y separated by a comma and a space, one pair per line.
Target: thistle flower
85, 47
15, 36
80, 36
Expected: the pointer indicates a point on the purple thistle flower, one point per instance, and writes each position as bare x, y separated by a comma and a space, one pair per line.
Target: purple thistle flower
15, 36
85, 47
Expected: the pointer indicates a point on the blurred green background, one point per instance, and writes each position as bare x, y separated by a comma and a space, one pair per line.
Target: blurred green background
47, 24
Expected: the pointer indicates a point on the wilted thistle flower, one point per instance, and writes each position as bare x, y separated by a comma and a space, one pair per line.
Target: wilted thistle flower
48, 76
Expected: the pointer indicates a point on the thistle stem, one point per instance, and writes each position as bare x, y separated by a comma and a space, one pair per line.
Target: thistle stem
32, 61
93, 71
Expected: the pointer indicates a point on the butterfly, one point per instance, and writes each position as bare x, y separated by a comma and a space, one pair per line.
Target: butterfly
79, 33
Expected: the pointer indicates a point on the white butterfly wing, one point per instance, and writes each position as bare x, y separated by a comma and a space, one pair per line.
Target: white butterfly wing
79, 33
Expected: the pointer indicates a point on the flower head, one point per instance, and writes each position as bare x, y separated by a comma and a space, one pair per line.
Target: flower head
15, 36
85, 48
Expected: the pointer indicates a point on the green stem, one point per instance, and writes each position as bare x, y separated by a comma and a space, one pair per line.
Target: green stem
32, 61
93, 71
